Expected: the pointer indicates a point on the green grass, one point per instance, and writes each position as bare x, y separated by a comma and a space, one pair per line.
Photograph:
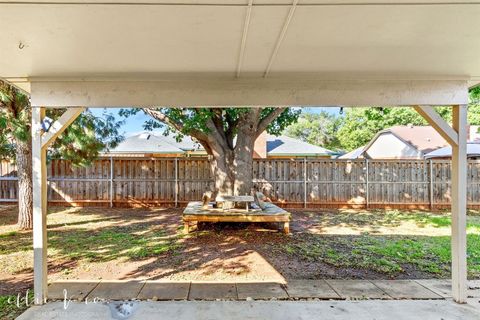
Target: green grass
8, 234
9, 309
388, 254
112, 243
393, 218
384, 254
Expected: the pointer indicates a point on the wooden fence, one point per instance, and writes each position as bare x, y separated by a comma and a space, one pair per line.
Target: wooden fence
291, 183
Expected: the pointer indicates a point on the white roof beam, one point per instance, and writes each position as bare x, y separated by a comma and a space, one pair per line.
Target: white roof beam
247, 92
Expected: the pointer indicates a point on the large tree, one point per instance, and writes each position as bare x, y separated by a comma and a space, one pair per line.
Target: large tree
227, 135
80, 143
319, 129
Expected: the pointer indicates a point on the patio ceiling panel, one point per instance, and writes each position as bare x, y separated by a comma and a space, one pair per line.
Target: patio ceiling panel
73, 40
265, 25
383, 41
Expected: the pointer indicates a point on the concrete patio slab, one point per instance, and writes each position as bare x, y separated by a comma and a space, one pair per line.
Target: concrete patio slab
212, 291
442, 287
261, 291
357, 289
117, 290
161, 290
75, 289
474, 288
405, 289
242, 310
304, 289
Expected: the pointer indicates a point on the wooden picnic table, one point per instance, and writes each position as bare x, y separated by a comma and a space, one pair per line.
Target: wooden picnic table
194, 213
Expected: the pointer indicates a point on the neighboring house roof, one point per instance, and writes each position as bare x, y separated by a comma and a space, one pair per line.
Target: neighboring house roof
423, 138
473, 150
286, 146
186, 144
154, 142
474, 134
354, 154
146, 143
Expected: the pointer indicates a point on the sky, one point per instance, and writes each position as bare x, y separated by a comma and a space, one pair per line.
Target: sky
134, 124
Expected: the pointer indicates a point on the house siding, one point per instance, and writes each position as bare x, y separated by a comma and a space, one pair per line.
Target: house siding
388, 146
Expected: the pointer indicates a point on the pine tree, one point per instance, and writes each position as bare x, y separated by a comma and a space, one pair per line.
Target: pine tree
80, 143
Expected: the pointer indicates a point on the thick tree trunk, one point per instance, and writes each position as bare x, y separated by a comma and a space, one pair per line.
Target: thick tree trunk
221, 167
24, 173
243, 163
232, 173
232, 168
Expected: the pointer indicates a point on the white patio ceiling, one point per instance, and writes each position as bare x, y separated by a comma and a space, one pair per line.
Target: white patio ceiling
329, 39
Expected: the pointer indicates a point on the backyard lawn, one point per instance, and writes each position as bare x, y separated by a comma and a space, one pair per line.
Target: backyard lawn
103, 243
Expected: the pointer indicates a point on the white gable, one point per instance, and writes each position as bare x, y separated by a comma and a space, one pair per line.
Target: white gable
388, 146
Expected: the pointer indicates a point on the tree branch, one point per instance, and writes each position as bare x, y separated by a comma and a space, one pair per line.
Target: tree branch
162, 117
231, 125
217, 135
263, 124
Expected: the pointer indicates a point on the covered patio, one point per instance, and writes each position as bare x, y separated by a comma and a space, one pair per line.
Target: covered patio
79, 54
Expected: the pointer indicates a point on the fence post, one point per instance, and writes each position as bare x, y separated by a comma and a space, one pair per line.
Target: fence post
367, 192
304, 182
111, 182
176, 182
431, 183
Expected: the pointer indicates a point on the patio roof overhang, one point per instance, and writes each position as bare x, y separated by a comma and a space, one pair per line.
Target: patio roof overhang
107, 53
373, 47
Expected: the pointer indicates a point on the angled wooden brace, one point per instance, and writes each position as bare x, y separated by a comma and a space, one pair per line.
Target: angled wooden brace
442, 127
60, 125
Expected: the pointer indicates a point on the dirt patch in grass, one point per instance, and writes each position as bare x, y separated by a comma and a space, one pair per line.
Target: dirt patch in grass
103, 243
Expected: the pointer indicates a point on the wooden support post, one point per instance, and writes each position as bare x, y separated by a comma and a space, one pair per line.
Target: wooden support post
456, 136
39, 173
305, 182
459, 206
111, 182
176, 183
40, 143
430, 185
367, 187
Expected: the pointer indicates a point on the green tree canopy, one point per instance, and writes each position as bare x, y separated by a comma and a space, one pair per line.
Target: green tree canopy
80, 142
319, 129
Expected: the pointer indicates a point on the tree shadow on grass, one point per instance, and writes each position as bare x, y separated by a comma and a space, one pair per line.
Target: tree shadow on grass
154, 238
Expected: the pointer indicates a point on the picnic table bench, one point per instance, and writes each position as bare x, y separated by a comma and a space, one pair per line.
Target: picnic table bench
194, 213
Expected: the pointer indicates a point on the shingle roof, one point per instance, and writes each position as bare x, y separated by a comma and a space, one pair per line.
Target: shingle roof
146, 143
154, 142
354, 154
473, 150
423, 138
283, 145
